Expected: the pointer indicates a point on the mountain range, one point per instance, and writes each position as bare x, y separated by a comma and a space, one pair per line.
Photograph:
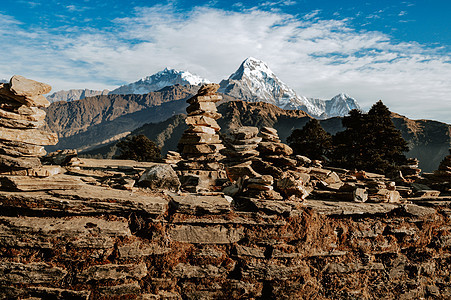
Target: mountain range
94, 123
428, 140
253, 81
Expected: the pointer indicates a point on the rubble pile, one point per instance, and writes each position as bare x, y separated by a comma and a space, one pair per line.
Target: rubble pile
200, 143
21, 140
346, 185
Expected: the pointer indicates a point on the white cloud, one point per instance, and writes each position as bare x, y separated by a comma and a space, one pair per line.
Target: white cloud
318, 58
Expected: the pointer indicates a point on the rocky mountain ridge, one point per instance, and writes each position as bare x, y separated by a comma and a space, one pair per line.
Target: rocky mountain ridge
74, 94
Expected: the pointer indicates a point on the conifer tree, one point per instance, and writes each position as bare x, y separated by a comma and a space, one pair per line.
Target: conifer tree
348, 144
139, 148
312, 141
385, 145
370, 142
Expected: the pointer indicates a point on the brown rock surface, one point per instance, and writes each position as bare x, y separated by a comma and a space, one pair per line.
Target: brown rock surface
22, 86
139, 243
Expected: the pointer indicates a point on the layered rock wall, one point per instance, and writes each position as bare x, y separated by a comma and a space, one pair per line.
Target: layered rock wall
101, 243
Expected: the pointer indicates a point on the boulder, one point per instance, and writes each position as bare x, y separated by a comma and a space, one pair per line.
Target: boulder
22, 86
160, 177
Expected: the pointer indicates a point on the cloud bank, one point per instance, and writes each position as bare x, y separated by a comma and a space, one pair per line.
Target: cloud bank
316, 57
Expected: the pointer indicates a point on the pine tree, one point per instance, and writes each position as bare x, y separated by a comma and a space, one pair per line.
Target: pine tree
312, 141
139, 148
348, 145
384, 143
370, 142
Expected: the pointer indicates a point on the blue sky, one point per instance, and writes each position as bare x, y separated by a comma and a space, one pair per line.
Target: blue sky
397, 51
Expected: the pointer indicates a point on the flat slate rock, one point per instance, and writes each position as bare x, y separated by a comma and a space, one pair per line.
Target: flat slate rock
29, 136
19, 162
34, 273
20, 124
198, 205
46, 233
349, 208
113, 272
30, 113
205, 234
101, 198
27, 183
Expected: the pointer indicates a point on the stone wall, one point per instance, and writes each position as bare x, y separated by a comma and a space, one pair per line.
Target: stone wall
100, 243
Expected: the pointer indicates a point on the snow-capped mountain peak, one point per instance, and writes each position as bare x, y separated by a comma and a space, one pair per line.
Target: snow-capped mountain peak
160, 80
340, 105
255, 81
252, 67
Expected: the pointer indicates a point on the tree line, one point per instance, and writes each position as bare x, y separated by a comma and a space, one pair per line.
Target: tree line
370, 142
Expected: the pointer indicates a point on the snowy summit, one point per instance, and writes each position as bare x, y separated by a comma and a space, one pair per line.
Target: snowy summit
254, 81
159, 80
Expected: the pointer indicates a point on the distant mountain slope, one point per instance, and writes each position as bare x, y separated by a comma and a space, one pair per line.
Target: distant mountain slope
74, 94
254, 81
159, 80
95, 119
429, 141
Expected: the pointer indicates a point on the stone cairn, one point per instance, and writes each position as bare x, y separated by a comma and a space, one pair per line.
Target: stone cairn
410, 171
241, 148
274, 155
173, 158
21, 141
200, 144
441, 178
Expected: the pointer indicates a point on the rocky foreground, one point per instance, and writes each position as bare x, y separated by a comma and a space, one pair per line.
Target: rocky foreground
92, 241
237, 217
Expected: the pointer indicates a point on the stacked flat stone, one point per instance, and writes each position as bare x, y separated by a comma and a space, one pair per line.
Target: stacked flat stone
271, 144
443, 174
21, 141
274, 155
241, 145
261, 187
173, 158
200, 143
411, 171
